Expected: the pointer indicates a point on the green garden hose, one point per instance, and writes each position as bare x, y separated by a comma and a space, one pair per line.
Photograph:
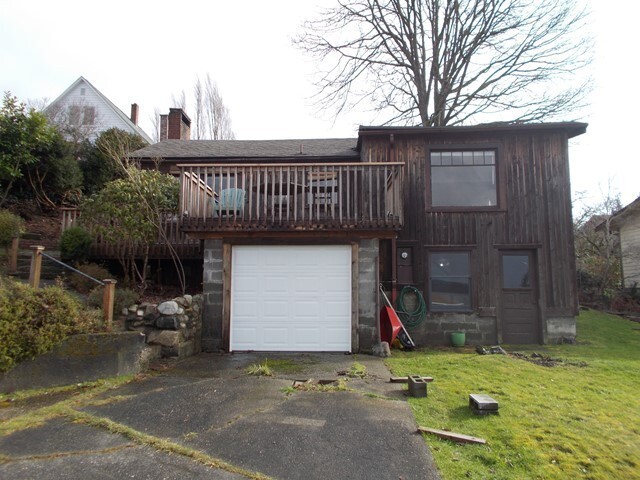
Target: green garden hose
415, 317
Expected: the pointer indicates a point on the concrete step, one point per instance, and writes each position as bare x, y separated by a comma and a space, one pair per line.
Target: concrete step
50, 269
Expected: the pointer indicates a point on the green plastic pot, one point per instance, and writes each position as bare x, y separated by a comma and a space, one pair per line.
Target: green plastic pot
457, 339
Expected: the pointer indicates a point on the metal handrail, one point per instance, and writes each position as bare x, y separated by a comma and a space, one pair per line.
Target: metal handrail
71, 268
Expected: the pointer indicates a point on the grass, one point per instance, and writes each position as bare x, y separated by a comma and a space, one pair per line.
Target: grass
556, 422
259, 369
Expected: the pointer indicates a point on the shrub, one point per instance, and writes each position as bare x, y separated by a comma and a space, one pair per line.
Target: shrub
83, 284
33, 321
75, 245
125, 297
11, 226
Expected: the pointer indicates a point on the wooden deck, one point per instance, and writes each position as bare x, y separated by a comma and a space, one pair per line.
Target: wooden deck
176, 239
292, 197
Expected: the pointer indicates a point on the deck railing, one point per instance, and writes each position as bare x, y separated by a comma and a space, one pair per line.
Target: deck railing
342, 196
170, 237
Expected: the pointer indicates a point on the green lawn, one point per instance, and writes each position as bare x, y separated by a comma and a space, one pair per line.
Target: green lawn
567, 421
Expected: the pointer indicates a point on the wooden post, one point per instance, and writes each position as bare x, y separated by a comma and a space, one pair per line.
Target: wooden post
13, 256
108, 300
36, 266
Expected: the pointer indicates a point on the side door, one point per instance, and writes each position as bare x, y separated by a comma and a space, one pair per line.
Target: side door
520, 322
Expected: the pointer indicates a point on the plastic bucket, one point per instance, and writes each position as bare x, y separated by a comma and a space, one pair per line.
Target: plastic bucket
457, 339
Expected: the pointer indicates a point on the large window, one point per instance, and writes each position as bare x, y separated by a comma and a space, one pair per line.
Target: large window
449, 281
463, 178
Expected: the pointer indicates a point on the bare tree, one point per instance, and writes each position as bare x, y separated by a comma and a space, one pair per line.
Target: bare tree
155, 123
198, 97
597, 247
212, 119
217, 120
449, 62
179, 101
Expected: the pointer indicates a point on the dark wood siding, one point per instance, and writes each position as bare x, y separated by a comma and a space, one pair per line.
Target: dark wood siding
533, 211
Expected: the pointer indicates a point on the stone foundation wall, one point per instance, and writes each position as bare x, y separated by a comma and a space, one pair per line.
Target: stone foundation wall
561, 330
437, 328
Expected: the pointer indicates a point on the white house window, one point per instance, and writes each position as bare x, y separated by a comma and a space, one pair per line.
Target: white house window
461, 178
75, 113
88, 115
82, 91
449, 281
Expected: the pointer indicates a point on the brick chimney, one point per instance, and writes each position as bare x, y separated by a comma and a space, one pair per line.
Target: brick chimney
134, 113
179, 125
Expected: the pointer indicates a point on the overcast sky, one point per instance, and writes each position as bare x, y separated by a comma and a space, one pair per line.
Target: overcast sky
147, 51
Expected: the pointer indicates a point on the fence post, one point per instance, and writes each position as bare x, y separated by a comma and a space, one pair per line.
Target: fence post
13, 256
36, 266
108, 300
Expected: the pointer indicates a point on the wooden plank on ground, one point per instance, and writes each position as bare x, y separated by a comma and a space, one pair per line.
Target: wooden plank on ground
406, 379
456, 437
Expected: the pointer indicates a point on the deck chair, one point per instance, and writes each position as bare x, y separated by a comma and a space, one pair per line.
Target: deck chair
230, 202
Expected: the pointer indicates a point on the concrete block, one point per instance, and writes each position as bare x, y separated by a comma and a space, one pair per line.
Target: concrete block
80, 358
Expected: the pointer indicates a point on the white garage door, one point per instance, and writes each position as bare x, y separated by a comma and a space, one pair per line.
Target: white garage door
291, 298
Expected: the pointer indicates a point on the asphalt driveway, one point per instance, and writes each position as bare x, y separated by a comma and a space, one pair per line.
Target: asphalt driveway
205, 417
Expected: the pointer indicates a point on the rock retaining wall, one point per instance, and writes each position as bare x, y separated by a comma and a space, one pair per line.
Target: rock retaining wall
174, 327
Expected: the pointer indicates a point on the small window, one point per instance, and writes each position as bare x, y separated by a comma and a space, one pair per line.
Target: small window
74, 115
450, 281
463, 178
515, 271
88, 115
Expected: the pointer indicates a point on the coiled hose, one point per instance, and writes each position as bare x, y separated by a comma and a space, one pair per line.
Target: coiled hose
415, 317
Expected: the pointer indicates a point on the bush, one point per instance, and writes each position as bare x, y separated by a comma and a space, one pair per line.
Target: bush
11, 226
125, 297
75, 245
83, 284
33, 321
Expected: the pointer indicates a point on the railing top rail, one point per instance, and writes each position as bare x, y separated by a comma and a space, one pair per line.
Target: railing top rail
336, 164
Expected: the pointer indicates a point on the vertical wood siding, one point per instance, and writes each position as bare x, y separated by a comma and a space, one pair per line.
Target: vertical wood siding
534, 201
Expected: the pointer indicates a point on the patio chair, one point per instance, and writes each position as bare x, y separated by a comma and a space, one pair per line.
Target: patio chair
230, 202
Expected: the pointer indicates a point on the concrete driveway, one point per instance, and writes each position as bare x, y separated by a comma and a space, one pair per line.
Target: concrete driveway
205, 417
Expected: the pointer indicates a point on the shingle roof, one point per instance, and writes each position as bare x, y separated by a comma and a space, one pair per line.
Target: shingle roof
250, 149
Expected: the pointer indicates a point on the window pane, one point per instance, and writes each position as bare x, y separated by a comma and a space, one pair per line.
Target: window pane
466, 186
456, 158
450, 284
478, 158
445, 264
450, 294
489, 157
435, 158
446, 158
515, 271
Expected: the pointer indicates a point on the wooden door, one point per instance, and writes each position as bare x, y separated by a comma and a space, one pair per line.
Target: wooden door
520, 322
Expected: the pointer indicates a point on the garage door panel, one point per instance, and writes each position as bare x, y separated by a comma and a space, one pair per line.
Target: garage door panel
294, 298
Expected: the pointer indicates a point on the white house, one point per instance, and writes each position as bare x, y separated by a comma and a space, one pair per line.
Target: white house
626, 222
84, 112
